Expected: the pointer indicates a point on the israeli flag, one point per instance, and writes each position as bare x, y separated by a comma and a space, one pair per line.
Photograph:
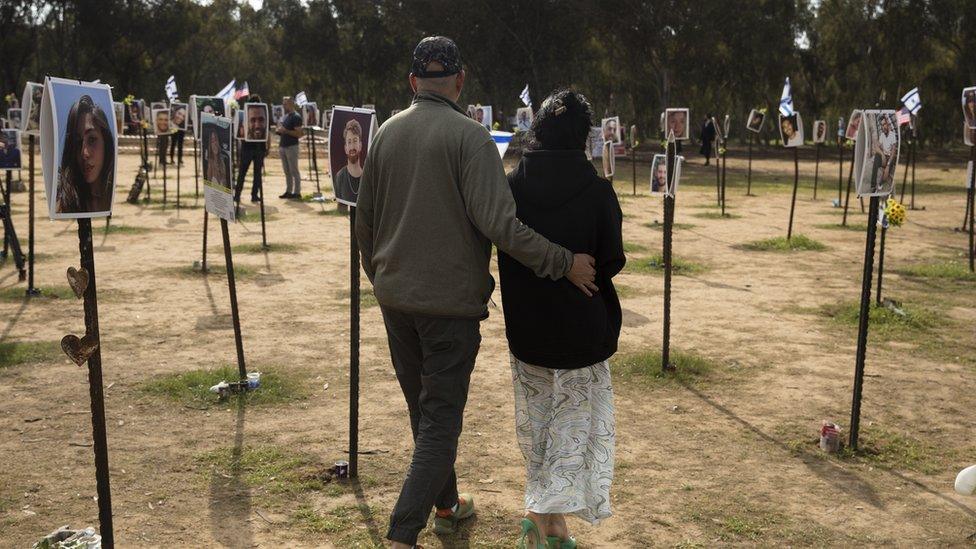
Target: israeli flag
912, 101
171, 88
786, 100
524, 96
300, 99
228, 92
502, 141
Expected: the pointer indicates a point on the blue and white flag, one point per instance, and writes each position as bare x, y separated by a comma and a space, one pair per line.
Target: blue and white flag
502, 141
524, 96
912, 101
301, 99
786, 100
171, 88
228, 92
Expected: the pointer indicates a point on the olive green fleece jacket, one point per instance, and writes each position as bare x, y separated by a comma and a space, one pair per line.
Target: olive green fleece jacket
432, 199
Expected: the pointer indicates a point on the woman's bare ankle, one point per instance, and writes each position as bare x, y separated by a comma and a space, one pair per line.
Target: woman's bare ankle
556, 526
541, 522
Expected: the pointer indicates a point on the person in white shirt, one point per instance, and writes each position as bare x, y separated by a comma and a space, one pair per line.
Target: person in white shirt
883, 149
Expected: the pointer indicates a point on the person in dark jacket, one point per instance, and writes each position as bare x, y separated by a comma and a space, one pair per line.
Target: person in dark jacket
560, 339
707, 137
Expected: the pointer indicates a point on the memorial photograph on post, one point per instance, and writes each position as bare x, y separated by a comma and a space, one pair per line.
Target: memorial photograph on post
659, 174
350, 132
676, 121
79, 147
256, 120
969, 106
791, 130
119, 117
200, 104
611, 130
10, 154
819, 131
15, 119
133, 117
216, 165
31, 105
310, 116
853, 124
756, 120
876, 153
523, 119
161, 123
178, 116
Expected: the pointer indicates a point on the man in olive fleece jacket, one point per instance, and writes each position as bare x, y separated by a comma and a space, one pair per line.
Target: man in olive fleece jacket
432, 200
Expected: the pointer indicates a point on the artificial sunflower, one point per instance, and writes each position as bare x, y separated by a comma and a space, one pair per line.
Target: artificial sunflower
895, 212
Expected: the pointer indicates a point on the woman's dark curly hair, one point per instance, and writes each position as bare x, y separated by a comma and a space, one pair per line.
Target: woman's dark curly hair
563, 122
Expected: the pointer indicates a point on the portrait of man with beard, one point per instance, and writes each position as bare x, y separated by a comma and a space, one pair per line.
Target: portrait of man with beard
346, 181
257, 122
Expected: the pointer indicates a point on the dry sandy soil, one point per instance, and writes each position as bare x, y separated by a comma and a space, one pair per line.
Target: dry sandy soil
722, 454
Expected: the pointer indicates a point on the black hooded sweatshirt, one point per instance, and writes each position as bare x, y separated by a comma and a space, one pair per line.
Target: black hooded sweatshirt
552, 323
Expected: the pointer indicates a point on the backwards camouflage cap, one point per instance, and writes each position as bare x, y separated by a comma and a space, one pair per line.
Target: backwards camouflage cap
436, 48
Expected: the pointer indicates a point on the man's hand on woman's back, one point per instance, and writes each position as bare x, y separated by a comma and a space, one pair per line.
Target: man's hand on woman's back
583, 273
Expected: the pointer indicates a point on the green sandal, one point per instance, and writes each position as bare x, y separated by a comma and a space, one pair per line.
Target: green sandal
529, 527
552, 542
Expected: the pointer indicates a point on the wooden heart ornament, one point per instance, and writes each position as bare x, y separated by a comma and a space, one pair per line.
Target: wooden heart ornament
78, 349
78, 280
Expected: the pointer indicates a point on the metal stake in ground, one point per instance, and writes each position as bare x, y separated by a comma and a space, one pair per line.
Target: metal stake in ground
99, 437
31, 290
264, 233
353, 346
881, 254
718, 167
11, 235
233, 300
796, 183
163, 162
749, 176
850, 179
724, 153
196, 171
904, 179
972, 206
840, 170
203, 263
178, 162
816, 172
145, 163
315, 165
666, 364
308, 142
912, 151
863, 320
6, 201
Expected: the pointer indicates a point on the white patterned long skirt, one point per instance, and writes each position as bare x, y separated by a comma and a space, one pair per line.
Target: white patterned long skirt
565, 428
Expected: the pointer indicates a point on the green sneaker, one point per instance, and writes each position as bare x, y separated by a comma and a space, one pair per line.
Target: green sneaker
446, 521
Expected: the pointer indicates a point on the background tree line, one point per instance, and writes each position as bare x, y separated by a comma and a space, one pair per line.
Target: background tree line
631, 57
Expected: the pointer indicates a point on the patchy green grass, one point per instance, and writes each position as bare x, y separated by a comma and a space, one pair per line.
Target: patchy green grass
14, 353
119, 228
255, 217
716, 215
655, 264
799, 242
334, 212
626, 292
258, 248
343, 521
952, 270
270, 469
632, 248
859, 227
878, 446
215, 267
646, 365
366, 297
884, 322
676, 226
18, 293
192, 388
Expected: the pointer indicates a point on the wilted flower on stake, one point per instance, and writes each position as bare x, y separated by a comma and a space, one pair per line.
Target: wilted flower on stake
10, 98
721, 151
895, 212
129, 99
233, 104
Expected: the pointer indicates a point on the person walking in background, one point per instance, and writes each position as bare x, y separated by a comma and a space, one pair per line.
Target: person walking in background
290, 130
561, 340
707, 137
252, 152
431, 203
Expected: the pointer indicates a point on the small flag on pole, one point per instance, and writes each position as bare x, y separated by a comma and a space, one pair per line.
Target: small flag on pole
786, 100
300, 99
912, 101
243, 91
524, 96
228, 92
170, 87
904, 116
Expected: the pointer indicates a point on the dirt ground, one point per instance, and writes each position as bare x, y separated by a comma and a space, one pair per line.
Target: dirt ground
723, 454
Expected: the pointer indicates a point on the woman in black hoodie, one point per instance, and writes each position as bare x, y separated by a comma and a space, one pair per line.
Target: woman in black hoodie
560, 339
